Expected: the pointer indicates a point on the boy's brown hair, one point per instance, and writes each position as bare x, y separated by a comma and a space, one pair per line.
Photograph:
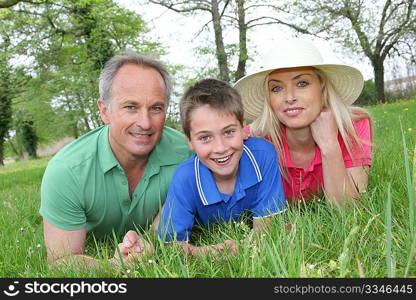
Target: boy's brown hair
218, 94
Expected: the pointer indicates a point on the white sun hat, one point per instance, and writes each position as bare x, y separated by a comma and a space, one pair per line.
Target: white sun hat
347, 81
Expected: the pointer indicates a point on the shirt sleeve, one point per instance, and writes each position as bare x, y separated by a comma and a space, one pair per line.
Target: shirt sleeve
361, 154
178, 214
271, 198
61, 203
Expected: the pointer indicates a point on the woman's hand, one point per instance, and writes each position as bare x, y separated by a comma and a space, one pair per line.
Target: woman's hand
325, 130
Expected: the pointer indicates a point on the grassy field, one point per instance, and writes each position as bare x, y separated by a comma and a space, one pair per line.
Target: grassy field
375, 239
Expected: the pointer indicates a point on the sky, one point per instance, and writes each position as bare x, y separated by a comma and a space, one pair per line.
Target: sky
179, 35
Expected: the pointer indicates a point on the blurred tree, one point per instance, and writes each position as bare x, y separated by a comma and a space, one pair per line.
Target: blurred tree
8, 3
5, 93
29, 137
62, 46
240, 14
368, 94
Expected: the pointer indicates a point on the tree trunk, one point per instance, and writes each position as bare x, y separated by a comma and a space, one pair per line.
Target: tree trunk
14, 149
242, 28
219, 43
379, 79
1, 153
8, 3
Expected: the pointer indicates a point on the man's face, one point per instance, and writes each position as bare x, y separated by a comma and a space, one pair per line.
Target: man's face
137, 112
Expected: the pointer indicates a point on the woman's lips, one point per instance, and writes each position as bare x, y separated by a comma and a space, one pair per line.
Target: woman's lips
293, 111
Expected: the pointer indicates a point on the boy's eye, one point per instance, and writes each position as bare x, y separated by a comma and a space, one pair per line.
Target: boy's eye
204, 138
229, 132
303, 83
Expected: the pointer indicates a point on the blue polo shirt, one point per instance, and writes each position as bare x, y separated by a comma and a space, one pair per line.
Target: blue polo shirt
193, 194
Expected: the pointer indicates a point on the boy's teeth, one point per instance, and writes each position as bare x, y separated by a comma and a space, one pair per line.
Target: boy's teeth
222, 159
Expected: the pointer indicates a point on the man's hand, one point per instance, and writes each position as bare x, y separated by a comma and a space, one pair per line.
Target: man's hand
132, 248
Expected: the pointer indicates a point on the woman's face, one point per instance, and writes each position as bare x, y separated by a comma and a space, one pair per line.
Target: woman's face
295, 96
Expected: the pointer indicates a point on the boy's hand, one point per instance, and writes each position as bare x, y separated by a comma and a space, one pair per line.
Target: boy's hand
228, 245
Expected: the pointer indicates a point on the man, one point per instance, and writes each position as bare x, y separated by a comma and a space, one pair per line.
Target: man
114, 178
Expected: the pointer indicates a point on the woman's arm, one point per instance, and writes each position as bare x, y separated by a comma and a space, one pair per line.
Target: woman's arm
340, 183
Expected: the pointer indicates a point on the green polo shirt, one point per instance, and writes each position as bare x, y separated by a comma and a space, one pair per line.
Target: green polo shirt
84, 185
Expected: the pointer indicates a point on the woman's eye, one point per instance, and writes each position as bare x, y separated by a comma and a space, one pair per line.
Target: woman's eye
276, 89
303, 83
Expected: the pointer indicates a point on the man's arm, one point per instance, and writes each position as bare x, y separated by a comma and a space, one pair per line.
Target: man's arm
62, 244
67, 246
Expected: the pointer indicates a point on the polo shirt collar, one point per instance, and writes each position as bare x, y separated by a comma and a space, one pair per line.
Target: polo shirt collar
106, 155
317, 160
248, 175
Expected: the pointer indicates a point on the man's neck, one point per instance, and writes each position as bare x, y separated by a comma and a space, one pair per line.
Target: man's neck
134, 167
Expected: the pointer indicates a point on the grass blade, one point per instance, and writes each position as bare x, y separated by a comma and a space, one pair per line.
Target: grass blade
410, 189
389, 258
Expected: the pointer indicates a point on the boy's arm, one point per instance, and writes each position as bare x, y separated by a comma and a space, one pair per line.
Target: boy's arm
230, 246
270, 199
261, 223
215, 250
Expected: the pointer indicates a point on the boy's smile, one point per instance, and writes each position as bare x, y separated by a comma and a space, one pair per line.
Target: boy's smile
217, 138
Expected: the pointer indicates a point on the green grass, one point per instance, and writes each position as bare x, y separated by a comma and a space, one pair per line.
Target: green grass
375, 239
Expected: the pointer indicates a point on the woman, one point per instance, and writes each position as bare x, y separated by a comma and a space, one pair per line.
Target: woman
303, 106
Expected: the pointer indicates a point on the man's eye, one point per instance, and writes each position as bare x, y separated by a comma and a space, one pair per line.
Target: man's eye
157, 108
130, 107
303, 83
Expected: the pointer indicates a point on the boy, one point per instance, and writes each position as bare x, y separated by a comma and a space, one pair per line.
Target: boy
230, 174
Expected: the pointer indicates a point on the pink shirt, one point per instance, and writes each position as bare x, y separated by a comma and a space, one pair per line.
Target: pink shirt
310, 181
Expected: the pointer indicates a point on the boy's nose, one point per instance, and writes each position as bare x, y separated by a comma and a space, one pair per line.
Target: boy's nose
220, 146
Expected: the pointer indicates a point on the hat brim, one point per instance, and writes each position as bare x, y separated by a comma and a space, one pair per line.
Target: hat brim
347, 81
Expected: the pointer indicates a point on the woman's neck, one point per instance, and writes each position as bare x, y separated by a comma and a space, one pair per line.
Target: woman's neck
301, 146
300, 139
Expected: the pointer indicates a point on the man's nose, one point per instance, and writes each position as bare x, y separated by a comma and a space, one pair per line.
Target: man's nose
143, 120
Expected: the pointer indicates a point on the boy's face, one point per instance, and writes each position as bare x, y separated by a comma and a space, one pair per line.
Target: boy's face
217, 138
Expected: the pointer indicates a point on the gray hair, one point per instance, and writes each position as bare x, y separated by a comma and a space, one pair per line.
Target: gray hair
130, 57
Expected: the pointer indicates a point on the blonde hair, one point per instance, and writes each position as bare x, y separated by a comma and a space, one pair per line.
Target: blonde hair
267, 124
